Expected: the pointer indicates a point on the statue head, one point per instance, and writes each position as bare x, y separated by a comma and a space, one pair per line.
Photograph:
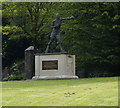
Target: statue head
57, 15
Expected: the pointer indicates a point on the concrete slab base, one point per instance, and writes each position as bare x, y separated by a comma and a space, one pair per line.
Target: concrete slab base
53, 77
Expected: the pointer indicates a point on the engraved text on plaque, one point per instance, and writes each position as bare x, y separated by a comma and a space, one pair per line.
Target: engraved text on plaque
50, 65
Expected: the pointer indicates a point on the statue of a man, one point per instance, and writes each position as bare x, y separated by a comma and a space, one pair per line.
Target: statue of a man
56, 31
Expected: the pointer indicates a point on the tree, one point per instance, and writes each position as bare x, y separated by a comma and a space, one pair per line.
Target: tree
25, 24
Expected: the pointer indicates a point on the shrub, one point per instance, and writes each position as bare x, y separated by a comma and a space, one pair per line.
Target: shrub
14, 77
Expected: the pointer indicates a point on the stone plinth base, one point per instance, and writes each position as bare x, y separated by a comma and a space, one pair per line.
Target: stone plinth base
54, 66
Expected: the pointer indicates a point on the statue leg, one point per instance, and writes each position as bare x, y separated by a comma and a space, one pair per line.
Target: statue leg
59, 43
50, 42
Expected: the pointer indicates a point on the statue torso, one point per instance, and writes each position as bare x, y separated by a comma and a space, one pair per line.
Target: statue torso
57, 23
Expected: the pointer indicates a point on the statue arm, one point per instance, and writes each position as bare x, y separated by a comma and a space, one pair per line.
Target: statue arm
72, 17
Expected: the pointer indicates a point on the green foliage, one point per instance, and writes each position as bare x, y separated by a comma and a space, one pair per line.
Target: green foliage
17, 67
15, 77
26, 19
17, 71
14, 30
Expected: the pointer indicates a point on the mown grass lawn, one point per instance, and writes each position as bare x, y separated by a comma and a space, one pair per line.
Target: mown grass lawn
80, 92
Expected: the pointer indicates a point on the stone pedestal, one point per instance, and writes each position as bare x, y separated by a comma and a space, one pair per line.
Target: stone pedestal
54, 66
29, 62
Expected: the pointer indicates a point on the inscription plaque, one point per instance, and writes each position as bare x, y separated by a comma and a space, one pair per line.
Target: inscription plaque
50, 65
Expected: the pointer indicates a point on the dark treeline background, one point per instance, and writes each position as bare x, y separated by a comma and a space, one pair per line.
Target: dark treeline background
93, 36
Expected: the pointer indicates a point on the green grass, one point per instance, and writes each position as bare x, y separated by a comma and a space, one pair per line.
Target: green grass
0, 95
80, 92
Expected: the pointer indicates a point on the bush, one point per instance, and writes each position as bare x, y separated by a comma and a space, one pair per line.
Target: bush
14, 77
17, 67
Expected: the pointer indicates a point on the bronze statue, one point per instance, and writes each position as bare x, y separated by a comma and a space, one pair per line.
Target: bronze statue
56, 31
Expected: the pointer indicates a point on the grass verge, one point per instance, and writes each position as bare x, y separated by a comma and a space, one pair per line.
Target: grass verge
80, 92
